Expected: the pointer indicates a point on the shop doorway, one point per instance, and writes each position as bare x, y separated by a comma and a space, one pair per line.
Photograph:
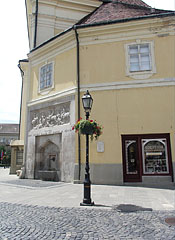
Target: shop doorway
131, 162
146, 155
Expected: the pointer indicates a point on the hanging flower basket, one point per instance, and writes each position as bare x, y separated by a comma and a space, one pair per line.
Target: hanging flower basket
89, 127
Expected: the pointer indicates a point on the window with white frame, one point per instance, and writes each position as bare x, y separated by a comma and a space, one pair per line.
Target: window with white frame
140, 57
140, 60
46, 76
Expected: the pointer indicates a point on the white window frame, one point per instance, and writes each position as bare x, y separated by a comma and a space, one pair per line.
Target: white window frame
46, 89
140, 74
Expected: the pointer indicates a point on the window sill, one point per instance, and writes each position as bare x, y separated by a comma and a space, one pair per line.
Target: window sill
156, 174
141, 74
45, 91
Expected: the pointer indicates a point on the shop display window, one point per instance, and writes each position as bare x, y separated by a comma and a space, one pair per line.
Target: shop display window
155, 157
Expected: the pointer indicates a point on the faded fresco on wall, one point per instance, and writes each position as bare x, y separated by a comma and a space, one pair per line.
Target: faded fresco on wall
51, 116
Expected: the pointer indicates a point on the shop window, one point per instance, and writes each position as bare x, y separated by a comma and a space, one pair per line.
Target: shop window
155, 158
46, 76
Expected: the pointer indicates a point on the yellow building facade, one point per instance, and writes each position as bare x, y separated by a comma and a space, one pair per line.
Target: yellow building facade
128, 65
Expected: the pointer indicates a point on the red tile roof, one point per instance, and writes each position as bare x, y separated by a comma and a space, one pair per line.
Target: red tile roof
121, 9
133, 2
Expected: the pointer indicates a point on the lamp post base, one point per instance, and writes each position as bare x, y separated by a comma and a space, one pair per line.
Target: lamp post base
87, 192
87, 204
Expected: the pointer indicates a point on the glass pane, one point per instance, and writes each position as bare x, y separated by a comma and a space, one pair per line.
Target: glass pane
144, 48
48, 83
43, 70
133, 49
46, 76
155, 156
134, 67
145, 66
145, 62
50, 67
131, 157
87, 103
134, 58
41, 85
144, 57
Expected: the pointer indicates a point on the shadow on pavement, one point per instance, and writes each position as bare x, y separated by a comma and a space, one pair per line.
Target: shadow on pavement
130, 208
101, 205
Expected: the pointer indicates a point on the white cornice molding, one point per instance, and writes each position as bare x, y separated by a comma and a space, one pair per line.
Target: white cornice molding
85, 6
52, 21
126, 31
91, 3
94, 3
52, 97
163, 82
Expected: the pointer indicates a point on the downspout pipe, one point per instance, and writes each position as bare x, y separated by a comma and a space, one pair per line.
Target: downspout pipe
36, 23
22, 76
78, 100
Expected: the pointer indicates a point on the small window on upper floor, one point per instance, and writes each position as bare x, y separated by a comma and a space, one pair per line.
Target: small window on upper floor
46, 76
140, 62
139, 58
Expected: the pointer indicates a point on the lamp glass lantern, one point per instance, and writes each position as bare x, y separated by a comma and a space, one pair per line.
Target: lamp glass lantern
87, 101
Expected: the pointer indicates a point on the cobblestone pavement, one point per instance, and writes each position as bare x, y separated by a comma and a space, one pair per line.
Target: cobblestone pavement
23, 222
30, 183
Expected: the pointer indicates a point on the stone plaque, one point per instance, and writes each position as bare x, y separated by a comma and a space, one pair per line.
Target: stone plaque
100, 147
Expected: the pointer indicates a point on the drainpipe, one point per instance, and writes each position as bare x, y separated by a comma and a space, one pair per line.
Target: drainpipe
78, 90
22, 76
36, 23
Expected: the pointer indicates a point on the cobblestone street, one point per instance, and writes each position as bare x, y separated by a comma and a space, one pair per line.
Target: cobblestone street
37, 210
22, 222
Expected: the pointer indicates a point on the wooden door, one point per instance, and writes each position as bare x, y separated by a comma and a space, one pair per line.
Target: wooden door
131, 159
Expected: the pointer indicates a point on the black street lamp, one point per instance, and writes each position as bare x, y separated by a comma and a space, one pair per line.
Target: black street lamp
87, 104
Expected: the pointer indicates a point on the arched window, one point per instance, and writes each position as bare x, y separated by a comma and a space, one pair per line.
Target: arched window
131, 161
155, 157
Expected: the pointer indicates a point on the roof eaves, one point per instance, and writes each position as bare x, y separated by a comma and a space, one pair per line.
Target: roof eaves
125, 20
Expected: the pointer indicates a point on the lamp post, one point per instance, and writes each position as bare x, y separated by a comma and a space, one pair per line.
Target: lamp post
87, 104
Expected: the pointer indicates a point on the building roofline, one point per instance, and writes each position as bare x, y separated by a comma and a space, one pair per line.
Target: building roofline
160, 15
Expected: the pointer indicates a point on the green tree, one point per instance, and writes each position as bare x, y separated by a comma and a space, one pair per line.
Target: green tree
6, 160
